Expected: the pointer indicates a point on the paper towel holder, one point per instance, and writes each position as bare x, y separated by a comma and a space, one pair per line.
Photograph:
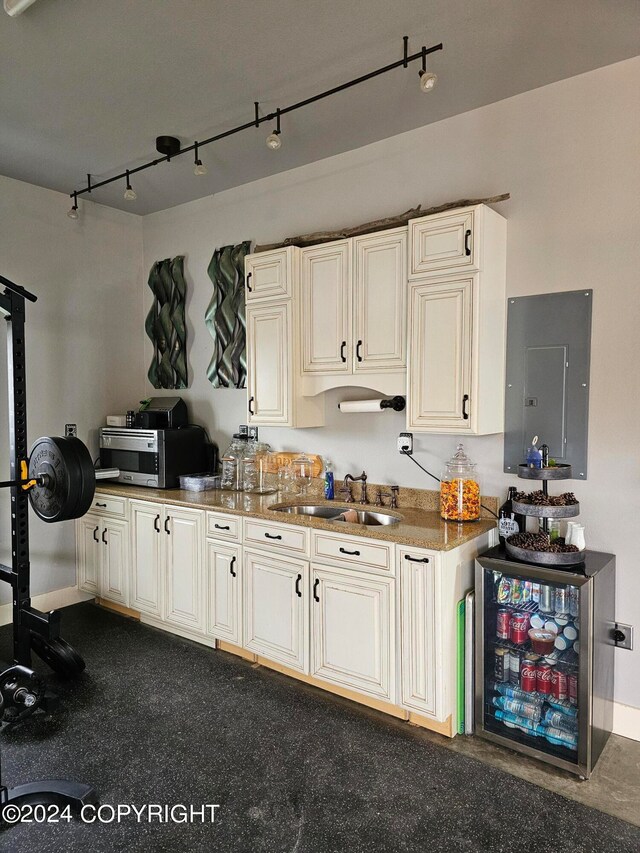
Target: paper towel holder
397, 403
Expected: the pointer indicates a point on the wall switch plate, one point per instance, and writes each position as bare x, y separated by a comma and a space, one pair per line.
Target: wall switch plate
243, 429
623, 636
405, 442
70, 430
253, 433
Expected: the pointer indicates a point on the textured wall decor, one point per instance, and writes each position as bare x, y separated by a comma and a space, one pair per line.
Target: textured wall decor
225, 317
165, 324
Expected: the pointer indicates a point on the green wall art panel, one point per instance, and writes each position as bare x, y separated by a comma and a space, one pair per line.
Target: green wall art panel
165, 324
225, 317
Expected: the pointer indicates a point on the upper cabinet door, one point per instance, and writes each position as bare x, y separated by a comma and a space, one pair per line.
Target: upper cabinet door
269, 362
325, 273
442, 242
380, 301
269, 274
440, 355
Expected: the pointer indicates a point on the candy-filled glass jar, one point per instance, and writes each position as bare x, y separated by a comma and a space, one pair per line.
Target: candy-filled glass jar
460, 489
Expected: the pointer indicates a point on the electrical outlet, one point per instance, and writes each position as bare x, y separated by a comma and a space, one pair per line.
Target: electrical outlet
623, 636
243, 429
253, 433
405, 442
70, 430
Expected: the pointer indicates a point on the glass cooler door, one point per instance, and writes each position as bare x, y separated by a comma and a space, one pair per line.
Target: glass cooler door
531, 653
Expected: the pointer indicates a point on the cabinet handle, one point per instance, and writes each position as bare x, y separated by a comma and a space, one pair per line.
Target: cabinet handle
467, 247
156, 521
350, 553
251, 399
249, 274
298, 579
231, 565
104, 533
358, 353
465, 413
102, 505
166, 524
416, 559
269, 536
315, 587
342, 349
95, 533
222, 527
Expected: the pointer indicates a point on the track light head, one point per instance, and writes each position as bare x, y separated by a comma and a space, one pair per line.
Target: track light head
428, 81
72, 213
198, 166
130, 194
273, 141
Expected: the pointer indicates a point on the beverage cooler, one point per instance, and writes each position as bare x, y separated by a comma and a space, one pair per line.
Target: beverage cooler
544, 657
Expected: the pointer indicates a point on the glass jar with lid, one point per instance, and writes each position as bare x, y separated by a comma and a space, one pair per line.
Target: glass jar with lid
460, 489
233, 464
302, 465
256, 465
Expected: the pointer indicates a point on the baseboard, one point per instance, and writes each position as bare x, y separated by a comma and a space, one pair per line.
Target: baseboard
179, 632
48, 601
626, 721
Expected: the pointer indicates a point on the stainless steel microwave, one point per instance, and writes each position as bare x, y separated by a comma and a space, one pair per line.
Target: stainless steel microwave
152, 457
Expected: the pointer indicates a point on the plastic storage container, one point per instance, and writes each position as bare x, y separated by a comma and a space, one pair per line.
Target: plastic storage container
233, 464
460, 489
199, 482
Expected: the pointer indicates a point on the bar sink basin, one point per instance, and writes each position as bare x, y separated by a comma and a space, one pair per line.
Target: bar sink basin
333, 513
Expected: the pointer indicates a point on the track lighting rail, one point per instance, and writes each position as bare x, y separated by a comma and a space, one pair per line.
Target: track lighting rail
258, 120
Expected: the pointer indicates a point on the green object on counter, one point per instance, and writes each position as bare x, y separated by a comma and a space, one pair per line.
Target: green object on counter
460, 666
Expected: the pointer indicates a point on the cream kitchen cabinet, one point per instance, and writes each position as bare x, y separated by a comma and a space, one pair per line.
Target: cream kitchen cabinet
223, 564
353, 306
276, 608
167, 564
270, 274
102, 551
457, 323
353, 631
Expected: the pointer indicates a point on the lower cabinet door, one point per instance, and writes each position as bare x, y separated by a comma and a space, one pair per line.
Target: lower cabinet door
224, 579
419, 652
276, 608
353, 631
147, 552
88, 553
183, 533
114, 539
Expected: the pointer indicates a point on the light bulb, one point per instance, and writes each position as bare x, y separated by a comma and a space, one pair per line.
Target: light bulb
273, 141
200, 168
427, 80
73, 213
130, 194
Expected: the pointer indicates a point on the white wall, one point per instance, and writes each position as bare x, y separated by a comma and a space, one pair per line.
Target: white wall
568, 155
84, 348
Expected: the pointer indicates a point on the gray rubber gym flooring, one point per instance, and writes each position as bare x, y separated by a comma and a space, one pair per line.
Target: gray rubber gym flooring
157, 719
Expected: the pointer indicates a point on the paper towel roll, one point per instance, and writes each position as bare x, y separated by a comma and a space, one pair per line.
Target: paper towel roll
360, 405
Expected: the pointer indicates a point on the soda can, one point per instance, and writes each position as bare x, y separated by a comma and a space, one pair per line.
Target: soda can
528, 674
526, 591
572, 687
535, 592
519, 628
574, 601
516, 590
515, 658
543, 678
501, 665
504, 590
545, 603
559, 684
561, 601
502, 624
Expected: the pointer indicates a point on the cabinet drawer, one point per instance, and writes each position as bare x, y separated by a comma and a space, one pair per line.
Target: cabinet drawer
224, 526
274, 535
109, 505
353, 551
445, 241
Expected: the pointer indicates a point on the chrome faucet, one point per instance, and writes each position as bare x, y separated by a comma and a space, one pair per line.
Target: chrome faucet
363, 479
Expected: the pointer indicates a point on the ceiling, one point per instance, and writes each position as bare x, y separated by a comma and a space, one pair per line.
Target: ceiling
87, 86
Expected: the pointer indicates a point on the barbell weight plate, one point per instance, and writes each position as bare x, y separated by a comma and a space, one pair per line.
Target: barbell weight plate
69, 481
59, 655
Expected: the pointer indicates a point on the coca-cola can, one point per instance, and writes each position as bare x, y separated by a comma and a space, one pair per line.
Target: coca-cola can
572, 687
543, 677
559, 684
528, 674
501, 665
519, 628
502, 624
515, 658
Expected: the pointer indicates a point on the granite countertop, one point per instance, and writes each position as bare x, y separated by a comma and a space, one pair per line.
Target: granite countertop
418, 526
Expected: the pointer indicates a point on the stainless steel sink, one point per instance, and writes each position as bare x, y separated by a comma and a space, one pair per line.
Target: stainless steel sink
334, 513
